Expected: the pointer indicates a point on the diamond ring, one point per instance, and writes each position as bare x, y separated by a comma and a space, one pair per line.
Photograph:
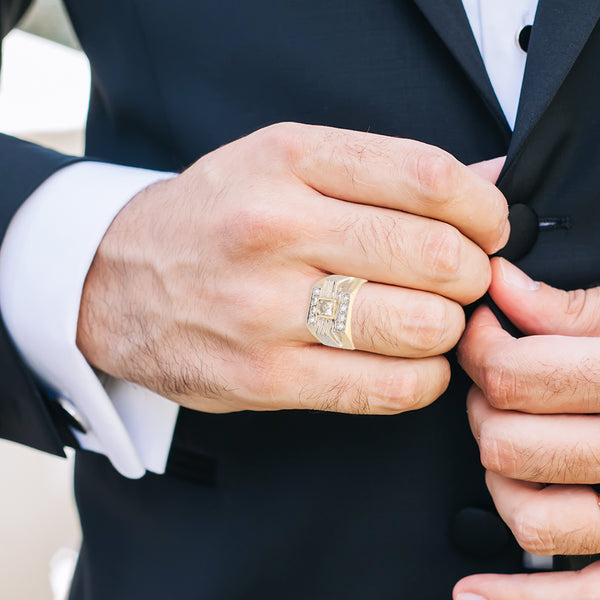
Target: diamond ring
330, 310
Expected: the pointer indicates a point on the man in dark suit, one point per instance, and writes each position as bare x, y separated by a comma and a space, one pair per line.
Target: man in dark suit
200, 287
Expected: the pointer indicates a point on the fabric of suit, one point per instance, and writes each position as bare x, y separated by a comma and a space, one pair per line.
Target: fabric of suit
301, 505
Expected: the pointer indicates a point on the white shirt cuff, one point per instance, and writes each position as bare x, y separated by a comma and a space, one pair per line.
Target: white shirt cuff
44, 260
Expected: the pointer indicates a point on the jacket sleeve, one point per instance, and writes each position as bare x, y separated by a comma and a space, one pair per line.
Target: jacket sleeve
26, 414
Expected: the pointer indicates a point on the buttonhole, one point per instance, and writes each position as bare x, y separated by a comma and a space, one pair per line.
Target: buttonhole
553, 223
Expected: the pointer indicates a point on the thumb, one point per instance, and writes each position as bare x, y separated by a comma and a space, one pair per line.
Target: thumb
489, 169
565, 585
537, 308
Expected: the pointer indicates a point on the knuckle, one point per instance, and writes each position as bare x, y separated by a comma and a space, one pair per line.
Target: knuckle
534, 532
499, 456
395, 393
500, 384
285, 144
436, 174
429, 327
259, 227
575, 302
280, 139
253, 227
583, 307
440, 251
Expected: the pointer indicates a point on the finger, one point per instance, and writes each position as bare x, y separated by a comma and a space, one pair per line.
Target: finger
538, 448
535, 374
557, 519
377, 244
568, 585
400, 322
385, 319
321, 378
393, 247
537, 308
404, 175
489, 169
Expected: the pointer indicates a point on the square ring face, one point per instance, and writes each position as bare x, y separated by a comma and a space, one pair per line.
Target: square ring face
326, 308
329, 311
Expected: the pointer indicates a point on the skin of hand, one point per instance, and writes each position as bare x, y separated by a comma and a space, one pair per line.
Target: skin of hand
200, 288
535, 413
570, 585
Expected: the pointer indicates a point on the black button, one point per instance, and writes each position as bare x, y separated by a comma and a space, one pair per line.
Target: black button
524, 36
524, 227
479, 533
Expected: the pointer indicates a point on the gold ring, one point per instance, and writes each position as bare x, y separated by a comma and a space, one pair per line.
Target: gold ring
330, 311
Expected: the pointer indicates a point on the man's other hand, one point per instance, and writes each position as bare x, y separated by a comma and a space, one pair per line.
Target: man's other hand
574, 585
200, 288
535, 410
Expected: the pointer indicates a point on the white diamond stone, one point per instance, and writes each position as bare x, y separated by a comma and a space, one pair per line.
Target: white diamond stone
326, 308
340, 326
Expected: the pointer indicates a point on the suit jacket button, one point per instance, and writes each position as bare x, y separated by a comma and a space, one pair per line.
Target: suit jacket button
479, 533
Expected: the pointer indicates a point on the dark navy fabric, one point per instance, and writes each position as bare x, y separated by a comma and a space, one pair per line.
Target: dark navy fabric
304, 505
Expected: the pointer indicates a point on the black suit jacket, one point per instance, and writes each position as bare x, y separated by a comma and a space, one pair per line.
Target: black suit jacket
296, 504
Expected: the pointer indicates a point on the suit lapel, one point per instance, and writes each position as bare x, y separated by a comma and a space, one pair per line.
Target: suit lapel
449, 20
560, 31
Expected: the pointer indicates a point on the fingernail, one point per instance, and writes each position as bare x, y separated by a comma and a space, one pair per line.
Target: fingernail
469, 596
516, 278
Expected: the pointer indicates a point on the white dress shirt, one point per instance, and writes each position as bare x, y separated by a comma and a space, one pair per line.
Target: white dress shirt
496, 26
52, 239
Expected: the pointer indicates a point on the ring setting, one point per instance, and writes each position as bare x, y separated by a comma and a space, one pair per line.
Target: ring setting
330, 309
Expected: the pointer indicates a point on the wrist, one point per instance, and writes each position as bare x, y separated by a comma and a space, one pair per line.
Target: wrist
107, 327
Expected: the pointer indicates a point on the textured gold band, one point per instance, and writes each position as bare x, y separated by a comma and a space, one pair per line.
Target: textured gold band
330, 311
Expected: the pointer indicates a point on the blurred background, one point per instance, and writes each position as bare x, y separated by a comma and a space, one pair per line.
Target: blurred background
44, 91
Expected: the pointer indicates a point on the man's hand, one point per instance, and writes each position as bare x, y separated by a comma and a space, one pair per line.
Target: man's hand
580, 585
535, 411
200, 288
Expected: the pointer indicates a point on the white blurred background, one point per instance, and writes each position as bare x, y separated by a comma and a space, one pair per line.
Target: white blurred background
44, 90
